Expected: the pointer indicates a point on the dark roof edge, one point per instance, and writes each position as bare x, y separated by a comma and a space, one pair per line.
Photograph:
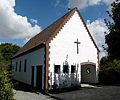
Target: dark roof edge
30, 50
62, 24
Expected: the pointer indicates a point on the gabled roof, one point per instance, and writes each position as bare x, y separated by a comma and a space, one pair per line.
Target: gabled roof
49, 32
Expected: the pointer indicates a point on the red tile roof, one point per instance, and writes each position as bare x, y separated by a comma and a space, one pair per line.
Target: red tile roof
49, 32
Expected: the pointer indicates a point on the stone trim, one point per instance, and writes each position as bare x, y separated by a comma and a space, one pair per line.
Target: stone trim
98, 62
61, 26
88, 63
48, 47
47, 65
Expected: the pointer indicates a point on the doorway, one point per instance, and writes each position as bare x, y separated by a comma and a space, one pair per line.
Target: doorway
88, 73
32, 79
39, 77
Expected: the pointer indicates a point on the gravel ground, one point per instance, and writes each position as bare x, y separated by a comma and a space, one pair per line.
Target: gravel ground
91, 93
21, 95
86, 92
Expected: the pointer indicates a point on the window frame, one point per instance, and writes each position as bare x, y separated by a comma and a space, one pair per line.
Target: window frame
73, 68
20, 65
16, 67
57, 69
65, 70
25, 65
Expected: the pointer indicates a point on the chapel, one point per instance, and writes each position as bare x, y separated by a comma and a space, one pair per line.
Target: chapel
62, 55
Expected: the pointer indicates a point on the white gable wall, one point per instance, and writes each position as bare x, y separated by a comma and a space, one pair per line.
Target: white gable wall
33, 58
63, 45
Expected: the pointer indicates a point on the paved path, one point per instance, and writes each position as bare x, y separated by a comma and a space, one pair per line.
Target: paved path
21, 95
91, 93
87, 92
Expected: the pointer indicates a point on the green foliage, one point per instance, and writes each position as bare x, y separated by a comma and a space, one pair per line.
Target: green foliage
8, 50
107, 64
110, 71
109, 76
113, 38
3, 63
110, 66
6, 92
104, 63
115, 65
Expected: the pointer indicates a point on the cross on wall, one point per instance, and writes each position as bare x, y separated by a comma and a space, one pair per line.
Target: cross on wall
77, 42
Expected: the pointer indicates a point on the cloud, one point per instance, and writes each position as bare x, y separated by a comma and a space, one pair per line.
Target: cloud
97, 29
108, 2
57, 2
34, 21
15, 26
81, 4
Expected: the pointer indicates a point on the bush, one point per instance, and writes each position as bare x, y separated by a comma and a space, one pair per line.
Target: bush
6, 91
109, 76
104, 63
110, 71
115, 64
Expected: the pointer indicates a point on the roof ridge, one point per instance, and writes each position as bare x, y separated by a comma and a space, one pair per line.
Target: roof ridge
45, 34
51, 31
52, 24
68, 16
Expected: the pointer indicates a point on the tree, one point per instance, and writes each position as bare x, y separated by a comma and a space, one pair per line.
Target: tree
110, 66
3, 63
113, 38
6, 91
104, 63
115, 65
8, 50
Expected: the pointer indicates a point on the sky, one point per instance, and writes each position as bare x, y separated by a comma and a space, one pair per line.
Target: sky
20, 20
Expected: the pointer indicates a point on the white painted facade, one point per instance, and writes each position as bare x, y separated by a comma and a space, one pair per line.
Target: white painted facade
34, 58
63, 48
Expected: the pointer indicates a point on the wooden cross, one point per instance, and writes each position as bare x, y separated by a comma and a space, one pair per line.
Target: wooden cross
77, 46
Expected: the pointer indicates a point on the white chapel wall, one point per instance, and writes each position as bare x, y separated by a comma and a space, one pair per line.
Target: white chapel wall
63, 48
33, 58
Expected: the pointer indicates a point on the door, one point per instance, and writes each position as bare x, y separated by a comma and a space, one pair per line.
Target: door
39, 77
32, 78
88, 73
